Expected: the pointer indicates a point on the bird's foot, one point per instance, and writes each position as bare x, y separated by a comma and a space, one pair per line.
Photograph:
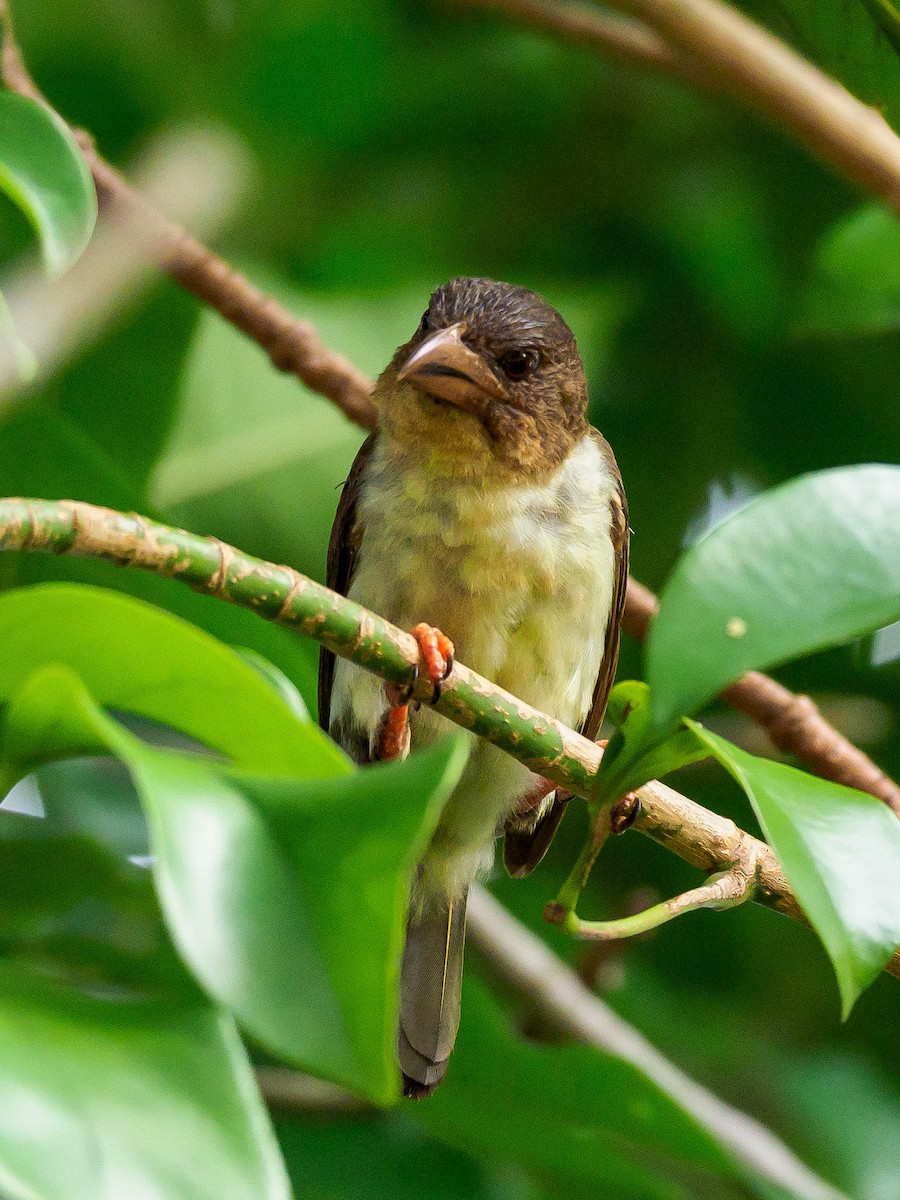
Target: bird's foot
393, 738
437, 653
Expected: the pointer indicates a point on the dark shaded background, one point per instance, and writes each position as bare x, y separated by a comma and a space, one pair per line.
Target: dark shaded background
393, 145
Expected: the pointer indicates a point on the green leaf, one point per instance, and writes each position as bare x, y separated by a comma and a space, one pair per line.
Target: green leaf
840, 850
637, 752
572, 1114
810, 564
160, 667
855, 284
286, 897
109, 1096
279, 682
74, 903
43, 171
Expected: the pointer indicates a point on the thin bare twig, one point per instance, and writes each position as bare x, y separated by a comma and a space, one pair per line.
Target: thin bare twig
294, 347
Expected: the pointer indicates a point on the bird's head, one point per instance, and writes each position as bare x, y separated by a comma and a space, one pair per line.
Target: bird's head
490, 382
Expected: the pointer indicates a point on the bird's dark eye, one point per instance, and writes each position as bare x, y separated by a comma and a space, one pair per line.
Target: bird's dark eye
519, 364
424, 324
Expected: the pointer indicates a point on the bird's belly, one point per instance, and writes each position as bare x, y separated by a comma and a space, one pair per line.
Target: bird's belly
525, 600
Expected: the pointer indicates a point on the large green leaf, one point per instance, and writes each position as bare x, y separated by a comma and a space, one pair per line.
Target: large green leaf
810, 564
106, 1096
160, 667
840, 850
572, 1115
855, 284
44, 172
69, 900
286, 897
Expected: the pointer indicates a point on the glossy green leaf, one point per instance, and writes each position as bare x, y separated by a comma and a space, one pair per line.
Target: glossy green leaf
73, 902
855, 283
107, 1096
636, 752
840, 850
286, 897
279, 682
810, 564
43, 171
160, 667
573, 1115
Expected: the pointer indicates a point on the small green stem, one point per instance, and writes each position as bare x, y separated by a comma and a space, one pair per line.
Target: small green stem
725, 889
561, 911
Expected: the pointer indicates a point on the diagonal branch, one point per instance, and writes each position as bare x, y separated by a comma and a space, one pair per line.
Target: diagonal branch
293, 345
283, 595
621, 38
711, 45
794, 723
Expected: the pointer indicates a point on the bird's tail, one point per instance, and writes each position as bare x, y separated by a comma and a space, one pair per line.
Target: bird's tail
430, 983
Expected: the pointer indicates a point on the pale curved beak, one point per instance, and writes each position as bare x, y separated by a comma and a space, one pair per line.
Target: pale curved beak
445, 367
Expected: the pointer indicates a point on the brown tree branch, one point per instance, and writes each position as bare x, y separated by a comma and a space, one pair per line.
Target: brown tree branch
293, 345
621, 38
795, 723
713, 46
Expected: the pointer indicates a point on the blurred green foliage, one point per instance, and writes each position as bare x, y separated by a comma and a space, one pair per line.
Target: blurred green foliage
738, 309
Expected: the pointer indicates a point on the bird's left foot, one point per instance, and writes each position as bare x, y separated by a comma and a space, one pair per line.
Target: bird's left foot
437, 653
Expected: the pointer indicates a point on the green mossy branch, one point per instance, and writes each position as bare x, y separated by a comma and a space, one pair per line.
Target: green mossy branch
280, 594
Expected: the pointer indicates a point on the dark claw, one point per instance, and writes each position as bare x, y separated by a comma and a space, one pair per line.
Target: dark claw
400, 694
449, 667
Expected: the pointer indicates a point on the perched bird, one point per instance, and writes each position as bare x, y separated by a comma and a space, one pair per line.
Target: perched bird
487, 506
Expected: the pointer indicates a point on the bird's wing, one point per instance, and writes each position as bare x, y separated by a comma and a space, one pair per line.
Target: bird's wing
343, 549
523, 848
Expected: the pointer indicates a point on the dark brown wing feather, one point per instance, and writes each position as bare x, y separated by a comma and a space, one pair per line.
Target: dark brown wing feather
343, 548
523, 849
